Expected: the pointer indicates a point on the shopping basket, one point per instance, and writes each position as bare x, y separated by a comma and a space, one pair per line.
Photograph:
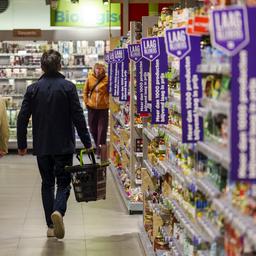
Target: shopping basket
88, 180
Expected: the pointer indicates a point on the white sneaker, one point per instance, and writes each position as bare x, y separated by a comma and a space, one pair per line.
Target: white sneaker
58, 225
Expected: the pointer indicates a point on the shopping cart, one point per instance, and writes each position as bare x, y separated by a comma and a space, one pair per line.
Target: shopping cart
89, 180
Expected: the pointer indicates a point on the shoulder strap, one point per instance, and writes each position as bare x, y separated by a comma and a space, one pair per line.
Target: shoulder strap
95, 85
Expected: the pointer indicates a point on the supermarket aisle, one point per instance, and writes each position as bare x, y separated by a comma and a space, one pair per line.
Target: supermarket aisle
94, 229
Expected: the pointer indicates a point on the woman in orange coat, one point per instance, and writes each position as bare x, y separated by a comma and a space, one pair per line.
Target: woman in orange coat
96, 99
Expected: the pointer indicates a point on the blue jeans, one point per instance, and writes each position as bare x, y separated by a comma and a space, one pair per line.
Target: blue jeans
52, 168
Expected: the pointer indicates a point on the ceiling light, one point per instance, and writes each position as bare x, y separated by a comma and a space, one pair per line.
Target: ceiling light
105, 2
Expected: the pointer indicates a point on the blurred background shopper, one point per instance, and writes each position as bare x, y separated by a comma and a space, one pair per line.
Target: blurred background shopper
54, 106
4, 128
96, 99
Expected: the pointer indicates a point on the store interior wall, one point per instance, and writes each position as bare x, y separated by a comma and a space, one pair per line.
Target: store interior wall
35, 14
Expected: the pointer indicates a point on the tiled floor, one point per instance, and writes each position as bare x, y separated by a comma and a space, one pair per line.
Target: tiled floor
93, 229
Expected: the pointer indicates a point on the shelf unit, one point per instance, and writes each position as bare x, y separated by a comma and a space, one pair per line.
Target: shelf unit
132, 207
123, 132
173, 171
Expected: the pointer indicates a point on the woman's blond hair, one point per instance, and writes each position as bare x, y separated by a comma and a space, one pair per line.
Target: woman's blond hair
99, 65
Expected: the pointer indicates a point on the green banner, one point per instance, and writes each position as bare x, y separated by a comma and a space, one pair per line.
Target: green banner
86, 13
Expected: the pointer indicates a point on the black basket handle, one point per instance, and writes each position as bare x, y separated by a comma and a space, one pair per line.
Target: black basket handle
89, 152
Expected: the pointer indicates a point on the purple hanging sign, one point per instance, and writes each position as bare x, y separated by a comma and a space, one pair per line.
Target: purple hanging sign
112, 70
150, 48
243, 109
160, 85
134, 52
191, 91
177, 42
142, 73
230, 30
124, 74
118, 58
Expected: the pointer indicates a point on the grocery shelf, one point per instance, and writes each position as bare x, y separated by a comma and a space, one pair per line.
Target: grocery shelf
193, 231
215, 152
127, 151
152, 171
242, 223
212, 231
76, 79
116, 116
79, 54
175, 132
116, 132
165, 233
203, 253
128, 172
174, 136
38, 66
216, 106
116, 149
175, 103
19, 66
146, 244
221, 69
176, 248
132, 207
149, 133
177, 173
19, 78
12, 144
20, 54
206, 186
76, 66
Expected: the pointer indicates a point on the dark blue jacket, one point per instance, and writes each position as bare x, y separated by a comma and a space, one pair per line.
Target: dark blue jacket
55, 108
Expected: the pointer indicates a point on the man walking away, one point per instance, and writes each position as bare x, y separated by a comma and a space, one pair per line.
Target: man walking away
54, 106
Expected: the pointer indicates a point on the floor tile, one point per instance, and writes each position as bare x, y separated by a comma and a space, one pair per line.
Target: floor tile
123, 245
51, 247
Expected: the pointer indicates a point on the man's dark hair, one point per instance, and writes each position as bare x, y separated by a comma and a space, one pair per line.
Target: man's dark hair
51, 61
